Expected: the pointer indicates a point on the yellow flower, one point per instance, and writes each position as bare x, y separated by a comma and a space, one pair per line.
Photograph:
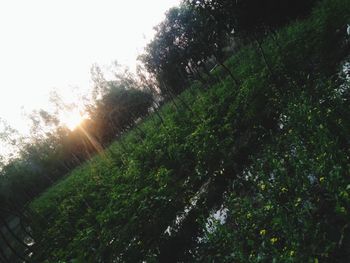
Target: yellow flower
283, 189
297, 202
262, 187
321, 179
268, 207
342, 210
273, 240
344, 194
291, 253
263, 232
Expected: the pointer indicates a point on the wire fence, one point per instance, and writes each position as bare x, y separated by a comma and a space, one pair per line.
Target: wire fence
16, 240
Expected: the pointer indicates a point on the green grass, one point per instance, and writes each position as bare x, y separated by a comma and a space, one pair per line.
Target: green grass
275, 151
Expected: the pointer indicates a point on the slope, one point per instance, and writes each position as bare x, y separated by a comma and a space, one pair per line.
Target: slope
273, 151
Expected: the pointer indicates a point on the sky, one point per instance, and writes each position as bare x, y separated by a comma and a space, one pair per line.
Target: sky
50, 45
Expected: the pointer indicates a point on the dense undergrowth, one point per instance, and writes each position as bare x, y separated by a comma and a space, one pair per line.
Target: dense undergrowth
273, 150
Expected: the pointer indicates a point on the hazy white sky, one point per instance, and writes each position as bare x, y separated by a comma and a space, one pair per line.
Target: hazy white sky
46, 44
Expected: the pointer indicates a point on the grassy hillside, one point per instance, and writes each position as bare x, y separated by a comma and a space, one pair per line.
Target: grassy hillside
271, 152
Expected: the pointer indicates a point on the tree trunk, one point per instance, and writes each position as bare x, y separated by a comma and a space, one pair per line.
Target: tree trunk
229, 72
262, 52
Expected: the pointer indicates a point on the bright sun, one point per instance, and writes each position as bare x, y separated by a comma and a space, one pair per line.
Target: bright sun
72, 119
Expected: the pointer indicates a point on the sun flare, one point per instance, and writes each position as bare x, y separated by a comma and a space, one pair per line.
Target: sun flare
72, 119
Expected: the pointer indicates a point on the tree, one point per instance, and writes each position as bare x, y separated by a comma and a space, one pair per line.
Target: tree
118, 110
253, 16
